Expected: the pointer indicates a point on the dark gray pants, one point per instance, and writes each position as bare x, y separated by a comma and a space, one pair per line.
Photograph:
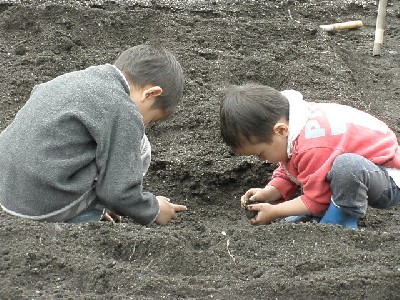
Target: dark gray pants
356, 183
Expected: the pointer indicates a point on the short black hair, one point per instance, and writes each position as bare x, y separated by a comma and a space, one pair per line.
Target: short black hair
249, 112
150, 64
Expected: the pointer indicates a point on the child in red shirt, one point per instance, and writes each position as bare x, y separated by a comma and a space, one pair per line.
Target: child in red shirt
342, 158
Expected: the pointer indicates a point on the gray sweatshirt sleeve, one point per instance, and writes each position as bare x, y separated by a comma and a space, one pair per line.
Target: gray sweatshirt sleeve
119, 132
119, 161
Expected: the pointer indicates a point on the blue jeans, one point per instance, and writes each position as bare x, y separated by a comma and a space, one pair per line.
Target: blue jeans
357, 183
91, 214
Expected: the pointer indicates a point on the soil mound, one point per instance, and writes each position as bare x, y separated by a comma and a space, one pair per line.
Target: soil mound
211, 252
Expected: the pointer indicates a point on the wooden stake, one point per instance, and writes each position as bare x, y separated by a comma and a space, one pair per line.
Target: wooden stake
380, 27
341, 26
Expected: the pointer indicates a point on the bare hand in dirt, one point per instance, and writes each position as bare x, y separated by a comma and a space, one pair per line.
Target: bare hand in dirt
110, 216
168, 210
265, 213
267, 194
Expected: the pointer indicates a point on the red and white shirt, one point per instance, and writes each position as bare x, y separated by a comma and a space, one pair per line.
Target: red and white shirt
318, 133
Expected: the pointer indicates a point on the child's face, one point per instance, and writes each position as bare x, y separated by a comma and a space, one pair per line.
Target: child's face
145, 99
273, 152
152, 115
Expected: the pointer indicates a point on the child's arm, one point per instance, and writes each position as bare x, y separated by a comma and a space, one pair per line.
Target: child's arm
268, 212
285, 184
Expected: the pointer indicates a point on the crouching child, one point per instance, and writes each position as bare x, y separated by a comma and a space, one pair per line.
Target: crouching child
78, 145
343, 159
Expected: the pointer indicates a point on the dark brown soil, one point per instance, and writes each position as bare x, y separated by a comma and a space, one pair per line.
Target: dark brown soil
212, 252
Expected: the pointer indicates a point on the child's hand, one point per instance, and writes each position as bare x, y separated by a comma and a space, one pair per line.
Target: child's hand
249, 195
266, 213
168, 210
110, 216
267, 194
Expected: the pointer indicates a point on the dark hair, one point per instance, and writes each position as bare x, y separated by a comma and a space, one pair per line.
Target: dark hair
249, 112
148, 64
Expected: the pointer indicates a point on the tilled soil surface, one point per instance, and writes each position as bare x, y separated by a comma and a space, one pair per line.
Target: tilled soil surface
211, 252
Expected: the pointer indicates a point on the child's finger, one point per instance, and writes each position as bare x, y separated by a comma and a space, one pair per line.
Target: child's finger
249, 193
253, 221
107, 218
179, 208
243, 200
253, 197
254, 207
115, 217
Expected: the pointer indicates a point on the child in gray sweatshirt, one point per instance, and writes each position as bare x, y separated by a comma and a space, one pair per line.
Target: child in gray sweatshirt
78, 144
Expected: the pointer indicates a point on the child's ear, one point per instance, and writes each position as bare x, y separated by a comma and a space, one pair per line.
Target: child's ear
153, 91
281, 129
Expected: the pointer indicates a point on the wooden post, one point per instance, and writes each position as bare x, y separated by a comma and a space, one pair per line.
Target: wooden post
341, 26
380, 27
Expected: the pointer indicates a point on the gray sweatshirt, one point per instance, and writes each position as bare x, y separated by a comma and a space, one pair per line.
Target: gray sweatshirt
76, 140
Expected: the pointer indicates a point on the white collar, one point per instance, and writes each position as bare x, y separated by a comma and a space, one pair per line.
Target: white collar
298, 116
123, 76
